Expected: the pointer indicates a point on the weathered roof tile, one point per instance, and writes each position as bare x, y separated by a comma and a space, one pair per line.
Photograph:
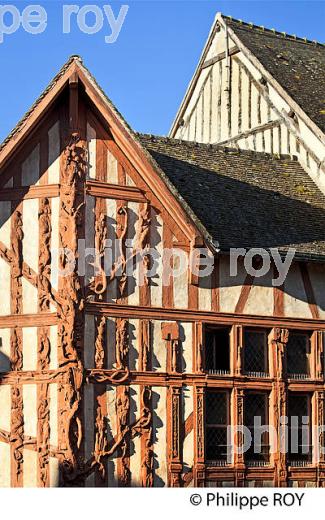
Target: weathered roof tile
297, 64
245, 199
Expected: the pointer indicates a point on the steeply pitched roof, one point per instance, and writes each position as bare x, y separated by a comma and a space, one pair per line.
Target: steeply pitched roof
122, 133
298, 65
245, 199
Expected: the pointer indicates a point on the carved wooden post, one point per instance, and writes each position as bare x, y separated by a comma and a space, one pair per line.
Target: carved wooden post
122, 343
238, 457
279, 405
144, 345
317, 369
237, 348
318, 440
199, 444
122, 412
147, 452
70, 297
175, 462
198, 349
170, 333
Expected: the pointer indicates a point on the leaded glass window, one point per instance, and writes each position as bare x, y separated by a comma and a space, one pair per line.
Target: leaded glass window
299, 429
216, 422
255, 352
298, 350
256, 409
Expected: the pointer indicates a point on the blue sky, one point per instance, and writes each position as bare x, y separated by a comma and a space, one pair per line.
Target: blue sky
146, 71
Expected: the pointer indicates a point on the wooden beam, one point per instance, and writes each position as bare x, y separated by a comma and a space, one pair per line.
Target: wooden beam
219, 57
28, 320
30, 192
114, 191
251, 131
160, 313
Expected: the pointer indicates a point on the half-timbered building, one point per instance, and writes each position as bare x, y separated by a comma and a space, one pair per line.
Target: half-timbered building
120, 377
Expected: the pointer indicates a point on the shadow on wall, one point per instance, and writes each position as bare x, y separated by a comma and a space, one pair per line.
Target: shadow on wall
4, 358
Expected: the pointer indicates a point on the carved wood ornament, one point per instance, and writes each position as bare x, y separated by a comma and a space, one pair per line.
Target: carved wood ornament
170, 333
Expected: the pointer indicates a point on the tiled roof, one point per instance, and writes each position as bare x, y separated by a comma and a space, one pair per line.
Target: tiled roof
297, 64
245, 199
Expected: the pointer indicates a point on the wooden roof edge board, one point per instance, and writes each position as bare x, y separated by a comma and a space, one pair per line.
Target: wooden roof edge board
124, 136
193, 81
268, 76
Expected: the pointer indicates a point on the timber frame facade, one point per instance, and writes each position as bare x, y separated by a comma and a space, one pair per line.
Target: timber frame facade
104, 381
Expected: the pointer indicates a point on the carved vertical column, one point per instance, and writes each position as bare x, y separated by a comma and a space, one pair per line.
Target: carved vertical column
122, 343
16, 348
100, 342
318, 418
45, 298
199, 444
198, 348
238, 456
237, 350
17, 436
98, 284
142, 244
147, 452
43, 409
279, 405
170, 333
123, 413
144, 345
317, 371
174, 434
121, 232
71, 301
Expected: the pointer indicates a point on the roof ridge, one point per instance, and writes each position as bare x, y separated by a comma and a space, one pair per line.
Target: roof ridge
219, 147
290, 37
